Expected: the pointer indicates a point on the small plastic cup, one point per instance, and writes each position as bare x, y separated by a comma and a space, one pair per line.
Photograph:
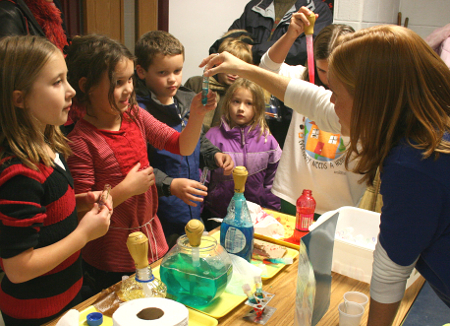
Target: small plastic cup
350, 313
94, 319
355, 296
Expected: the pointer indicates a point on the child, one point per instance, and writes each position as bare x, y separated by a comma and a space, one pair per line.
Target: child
220, 82
312, 157
390, 94
41, 237
160, 58
110, 145
244, 135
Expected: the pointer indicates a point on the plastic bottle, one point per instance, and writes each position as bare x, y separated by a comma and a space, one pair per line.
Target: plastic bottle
143, 284
306, 205
236, 231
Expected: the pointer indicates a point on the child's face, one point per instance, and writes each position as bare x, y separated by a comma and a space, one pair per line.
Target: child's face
98, 95
50, 97
226, 79
163, 77
241, 107
322, 70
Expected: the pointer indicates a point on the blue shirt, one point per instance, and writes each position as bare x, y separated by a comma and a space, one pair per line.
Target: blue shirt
415, 218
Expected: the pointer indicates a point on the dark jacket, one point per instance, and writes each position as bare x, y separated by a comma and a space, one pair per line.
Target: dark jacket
17, 19
172, 211
259, 17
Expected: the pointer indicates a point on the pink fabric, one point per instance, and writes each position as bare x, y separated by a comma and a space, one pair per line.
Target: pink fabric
439, 41
101, 157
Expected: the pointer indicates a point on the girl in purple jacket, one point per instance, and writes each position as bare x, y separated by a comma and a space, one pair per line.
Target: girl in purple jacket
245, 136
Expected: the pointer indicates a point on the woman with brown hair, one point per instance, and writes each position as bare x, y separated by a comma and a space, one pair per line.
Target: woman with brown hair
391, 95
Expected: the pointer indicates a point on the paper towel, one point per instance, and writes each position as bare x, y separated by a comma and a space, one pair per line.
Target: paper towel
151, 312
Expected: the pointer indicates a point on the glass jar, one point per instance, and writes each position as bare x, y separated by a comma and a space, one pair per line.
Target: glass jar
196, 276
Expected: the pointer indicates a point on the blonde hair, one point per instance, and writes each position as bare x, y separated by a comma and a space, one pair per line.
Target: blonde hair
237, 48
22, 59
401, 89
259, 107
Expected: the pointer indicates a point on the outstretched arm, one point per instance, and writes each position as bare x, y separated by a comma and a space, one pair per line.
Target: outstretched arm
226, 62
190, 135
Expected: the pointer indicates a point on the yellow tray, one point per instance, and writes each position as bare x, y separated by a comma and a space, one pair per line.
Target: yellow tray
221, 306
271, 269
288, 221
195, 318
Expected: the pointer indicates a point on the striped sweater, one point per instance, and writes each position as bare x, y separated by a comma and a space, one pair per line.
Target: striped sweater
103, 156
37, 209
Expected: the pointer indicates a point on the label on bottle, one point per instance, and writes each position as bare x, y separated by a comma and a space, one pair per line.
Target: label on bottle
305, 221
234, 240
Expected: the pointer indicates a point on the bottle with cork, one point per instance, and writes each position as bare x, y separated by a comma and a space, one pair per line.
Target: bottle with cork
236, 231
143, 284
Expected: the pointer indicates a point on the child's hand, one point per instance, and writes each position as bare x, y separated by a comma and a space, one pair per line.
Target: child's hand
95, 223
188, 190
197, 106
138, 182
298, 22
86, 200
225, 162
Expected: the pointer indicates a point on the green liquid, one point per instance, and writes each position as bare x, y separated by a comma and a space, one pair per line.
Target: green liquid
194, 286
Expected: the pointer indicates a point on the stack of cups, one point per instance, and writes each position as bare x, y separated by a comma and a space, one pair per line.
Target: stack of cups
352, 309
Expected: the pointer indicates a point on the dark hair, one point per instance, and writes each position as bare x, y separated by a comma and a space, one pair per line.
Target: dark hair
324, 43
90, 56
153, 43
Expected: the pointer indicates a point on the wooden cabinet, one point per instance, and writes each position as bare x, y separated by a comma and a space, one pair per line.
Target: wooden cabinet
107, 17
104, 17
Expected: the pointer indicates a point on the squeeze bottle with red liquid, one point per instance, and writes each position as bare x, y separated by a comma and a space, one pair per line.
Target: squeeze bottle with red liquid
306, 206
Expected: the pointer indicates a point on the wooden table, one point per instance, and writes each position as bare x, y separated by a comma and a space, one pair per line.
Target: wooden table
283, 285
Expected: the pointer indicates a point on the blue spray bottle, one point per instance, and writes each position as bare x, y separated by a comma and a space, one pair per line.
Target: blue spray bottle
236, 231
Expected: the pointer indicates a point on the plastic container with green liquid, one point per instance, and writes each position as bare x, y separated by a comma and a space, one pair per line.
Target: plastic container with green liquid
196, 270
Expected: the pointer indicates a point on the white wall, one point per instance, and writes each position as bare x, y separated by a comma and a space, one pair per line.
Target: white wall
424, 16
198, 24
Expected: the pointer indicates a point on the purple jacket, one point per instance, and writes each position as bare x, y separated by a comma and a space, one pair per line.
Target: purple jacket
248, 149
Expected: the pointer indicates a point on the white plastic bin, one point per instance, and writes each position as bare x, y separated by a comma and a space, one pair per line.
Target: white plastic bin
354, 260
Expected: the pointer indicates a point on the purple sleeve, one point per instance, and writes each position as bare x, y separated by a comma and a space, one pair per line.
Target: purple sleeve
272, 201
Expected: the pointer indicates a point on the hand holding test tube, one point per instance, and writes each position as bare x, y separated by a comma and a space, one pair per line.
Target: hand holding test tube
104, 196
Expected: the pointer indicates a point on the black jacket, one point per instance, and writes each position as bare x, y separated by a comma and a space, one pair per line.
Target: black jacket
258, 19
17, 19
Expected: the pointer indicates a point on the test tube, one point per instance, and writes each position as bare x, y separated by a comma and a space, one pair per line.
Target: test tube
258, 282
205, 89
248, 292
104, 196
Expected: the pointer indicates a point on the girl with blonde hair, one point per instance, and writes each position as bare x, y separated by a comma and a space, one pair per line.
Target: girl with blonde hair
245, 136
41, 237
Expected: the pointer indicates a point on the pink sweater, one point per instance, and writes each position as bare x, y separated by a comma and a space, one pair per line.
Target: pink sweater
100, 157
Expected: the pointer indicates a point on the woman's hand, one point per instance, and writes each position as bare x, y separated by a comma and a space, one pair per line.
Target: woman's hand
299, 21
223, 63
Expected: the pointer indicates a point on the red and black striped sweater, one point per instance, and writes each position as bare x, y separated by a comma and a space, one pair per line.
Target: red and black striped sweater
37, 209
